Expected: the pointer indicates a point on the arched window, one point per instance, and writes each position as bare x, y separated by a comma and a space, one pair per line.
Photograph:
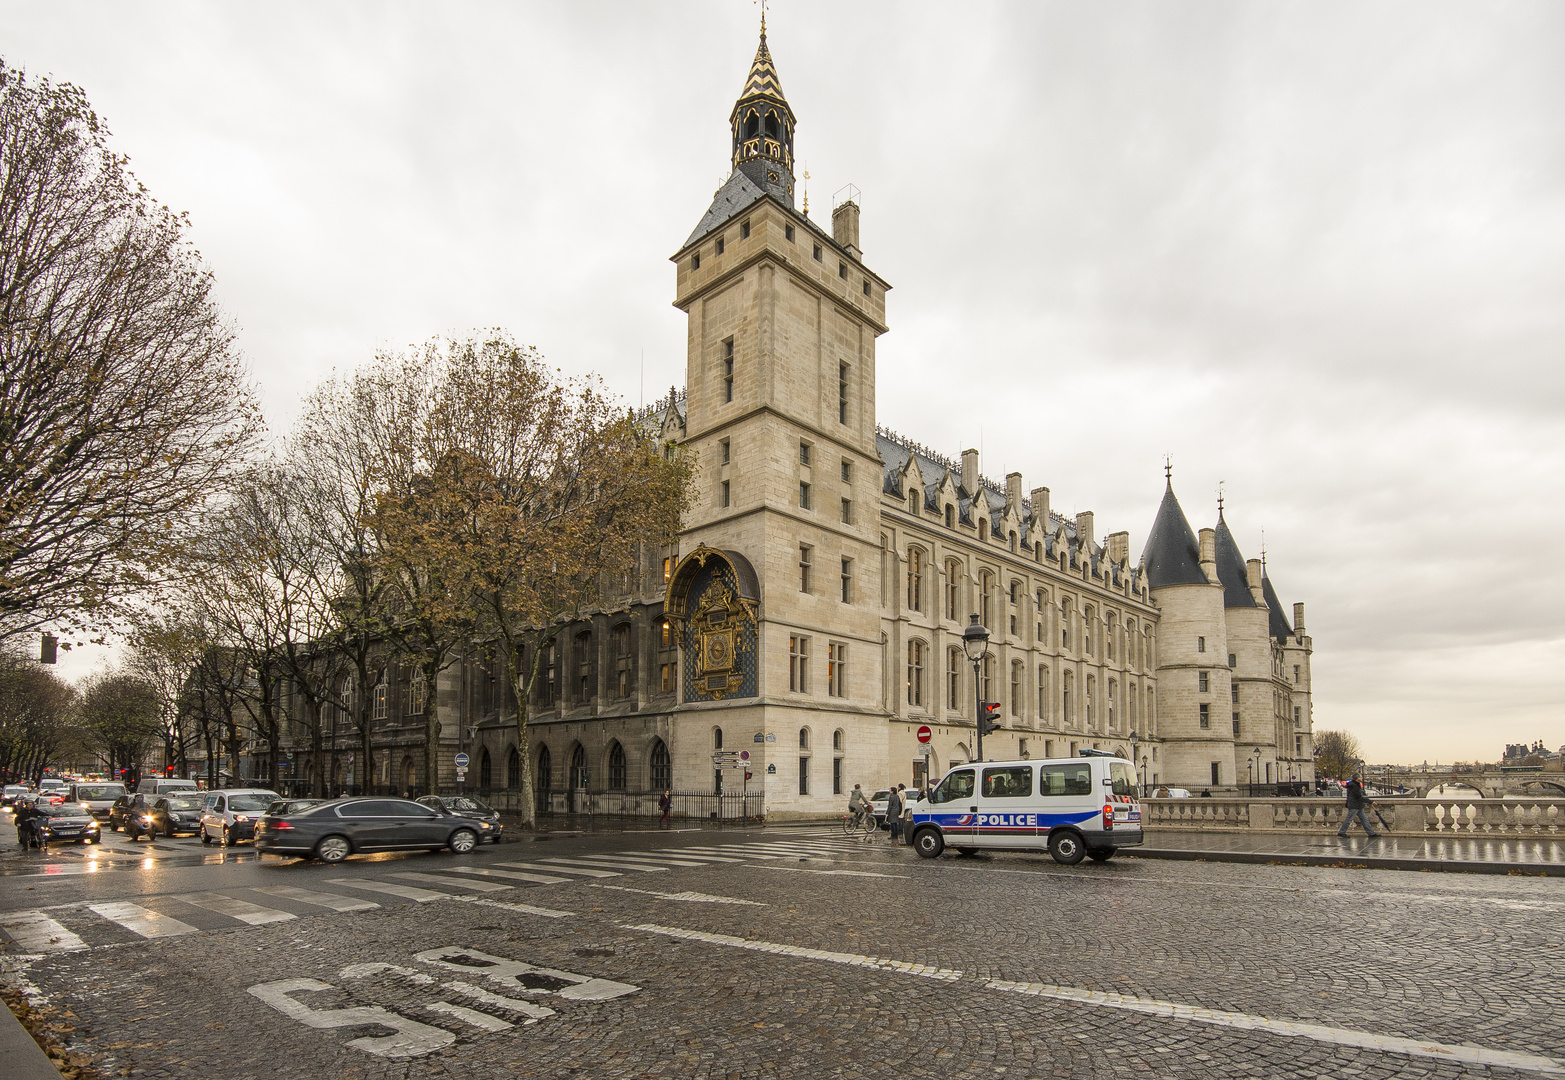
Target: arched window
953, 588
1016, 591
752, 125
915, 673
1109, 704
585, 690
418, 693
915, 579
804, 738
622, 660
543, 779
771, 124
513, 770
837, 739
485, 771
616, 767
954, 679
1065, 624
1088, 626
662, 768
1067, 705
987, 680
985, 589
717, 738
1016, 688
1092, 689
1045, 712
578, 775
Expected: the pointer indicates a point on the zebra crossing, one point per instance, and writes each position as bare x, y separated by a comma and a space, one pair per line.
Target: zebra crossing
91, 925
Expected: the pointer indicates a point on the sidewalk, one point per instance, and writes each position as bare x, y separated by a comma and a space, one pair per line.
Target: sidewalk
1541, 855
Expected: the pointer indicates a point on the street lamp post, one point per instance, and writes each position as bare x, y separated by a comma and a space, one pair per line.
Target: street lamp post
975, 643
1257, 770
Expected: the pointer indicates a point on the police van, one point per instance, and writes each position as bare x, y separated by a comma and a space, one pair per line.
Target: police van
1075, 807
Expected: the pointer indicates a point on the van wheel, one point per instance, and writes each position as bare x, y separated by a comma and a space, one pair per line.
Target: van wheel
1102, 854
1067, 848
929, 843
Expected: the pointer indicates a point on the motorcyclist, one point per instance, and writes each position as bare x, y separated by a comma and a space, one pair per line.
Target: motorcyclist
29, 827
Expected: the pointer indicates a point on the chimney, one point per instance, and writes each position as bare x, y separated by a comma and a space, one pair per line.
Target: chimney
1084, 528
970, 472
1298, 619
1252, 572
1119, 547
1209, 554
845, 227
1013, 492
1040, 509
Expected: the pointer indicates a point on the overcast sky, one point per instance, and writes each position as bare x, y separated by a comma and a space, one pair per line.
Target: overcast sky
1314, 251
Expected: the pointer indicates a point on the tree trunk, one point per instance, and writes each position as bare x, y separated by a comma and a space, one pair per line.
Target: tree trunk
432, 728
522, 691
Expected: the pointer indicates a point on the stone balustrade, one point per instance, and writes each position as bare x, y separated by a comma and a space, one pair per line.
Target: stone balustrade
1412, 817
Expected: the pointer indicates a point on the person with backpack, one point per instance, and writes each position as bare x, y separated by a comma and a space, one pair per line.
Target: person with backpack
1358, 807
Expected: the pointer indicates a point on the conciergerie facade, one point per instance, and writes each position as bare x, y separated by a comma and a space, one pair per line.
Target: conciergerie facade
812, 611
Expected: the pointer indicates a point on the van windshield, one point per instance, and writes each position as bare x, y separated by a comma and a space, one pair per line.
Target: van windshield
99, 791
1124, 777
958, 785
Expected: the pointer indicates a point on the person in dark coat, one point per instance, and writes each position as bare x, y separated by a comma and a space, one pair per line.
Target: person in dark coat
29, 833
1358, 807
894, 813
665, 806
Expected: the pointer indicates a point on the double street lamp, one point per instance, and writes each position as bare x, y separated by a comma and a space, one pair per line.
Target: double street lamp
975, 643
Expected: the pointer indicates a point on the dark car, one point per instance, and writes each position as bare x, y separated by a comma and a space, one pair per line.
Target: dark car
284, 807
334, 830
13, 792
178, 813
68, 822
464, 806
119, 811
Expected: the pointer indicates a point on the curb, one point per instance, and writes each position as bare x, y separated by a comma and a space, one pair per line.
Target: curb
21, 1058
1347, 859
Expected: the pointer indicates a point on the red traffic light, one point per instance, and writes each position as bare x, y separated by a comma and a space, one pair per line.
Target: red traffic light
989, 717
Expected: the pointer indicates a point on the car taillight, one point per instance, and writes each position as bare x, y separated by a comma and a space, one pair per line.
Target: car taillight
1108, 816
277, 824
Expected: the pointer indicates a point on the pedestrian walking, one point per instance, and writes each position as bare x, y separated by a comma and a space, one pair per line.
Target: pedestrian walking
665, 807
1358, 807
894, 813
907, 814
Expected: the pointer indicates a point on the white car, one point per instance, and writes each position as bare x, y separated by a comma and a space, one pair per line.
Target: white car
878, 801
230, 815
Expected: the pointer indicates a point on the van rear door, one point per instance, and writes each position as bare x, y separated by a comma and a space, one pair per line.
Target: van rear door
1007, 814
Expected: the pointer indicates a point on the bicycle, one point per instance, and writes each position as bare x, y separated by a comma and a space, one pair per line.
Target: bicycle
859, 821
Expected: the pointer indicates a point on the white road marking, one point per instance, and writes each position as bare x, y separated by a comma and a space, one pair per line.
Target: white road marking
525, 909
140, 920
407, 892
629, 859
243, 910
364, 971
565, 864
319, 899
852, 960
539, 879
748, 855
35, 932
682, 853
525, 1008
412, 1039
436, 879
580, 870
701, 898
1454, 1052
507, 974
830, 873
472, 1016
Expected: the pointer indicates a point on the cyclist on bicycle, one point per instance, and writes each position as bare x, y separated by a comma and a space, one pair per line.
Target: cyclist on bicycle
858, 803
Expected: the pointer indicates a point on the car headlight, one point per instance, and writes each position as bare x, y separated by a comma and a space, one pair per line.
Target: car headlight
240, 817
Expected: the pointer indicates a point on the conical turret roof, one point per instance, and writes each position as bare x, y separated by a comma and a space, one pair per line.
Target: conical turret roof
1172, 555
1230, 568
763, 81
1279, 626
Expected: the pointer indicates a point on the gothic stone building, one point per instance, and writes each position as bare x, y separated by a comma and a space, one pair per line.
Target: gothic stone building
812, 612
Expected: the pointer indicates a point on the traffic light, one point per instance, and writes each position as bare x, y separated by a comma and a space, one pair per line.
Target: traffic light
989, 717
747, 774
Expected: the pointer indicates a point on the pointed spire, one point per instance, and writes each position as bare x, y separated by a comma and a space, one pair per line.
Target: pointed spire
1278, 622
763, 81
1230, 567
763, 126
1172, 555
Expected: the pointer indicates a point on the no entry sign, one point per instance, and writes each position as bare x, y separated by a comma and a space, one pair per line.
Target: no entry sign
924, 734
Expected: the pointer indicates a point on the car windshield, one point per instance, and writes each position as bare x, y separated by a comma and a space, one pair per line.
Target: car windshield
99, 791
880, 796
183, 804
58, 810
250, 802
281, 807
461, 803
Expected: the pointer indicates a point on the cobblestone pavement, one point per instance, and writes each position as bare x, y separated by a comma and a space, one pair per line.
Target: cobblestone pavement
794, 955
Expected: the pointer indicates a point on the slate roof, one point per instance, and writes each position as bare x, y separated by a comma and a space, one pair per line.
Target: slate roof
1280, 629
1172, 555
738, 192
1231, 569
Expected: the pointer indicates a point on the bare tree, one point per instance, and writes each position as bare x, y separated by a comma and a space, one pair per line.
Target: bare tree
36, 717
123, 404
120, 714
1336, 754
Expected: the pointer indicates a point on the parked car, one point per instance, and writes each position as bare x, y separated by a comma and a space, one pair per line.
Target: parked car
96, 799
464, 806
177, 813
229, 816
878, 801
334, 830
12, 793
68, 822
119, 810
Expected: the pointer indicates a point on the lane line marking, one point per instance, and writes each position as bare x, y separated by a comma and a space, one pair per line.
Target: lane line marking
1470, 1055
580, 870
923, 970
35, 932
628, 859
640, 868
140, 920
243, 910
438, 879
682, 853
831, 873
333, 901
538, 879
525, 909
407, 892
